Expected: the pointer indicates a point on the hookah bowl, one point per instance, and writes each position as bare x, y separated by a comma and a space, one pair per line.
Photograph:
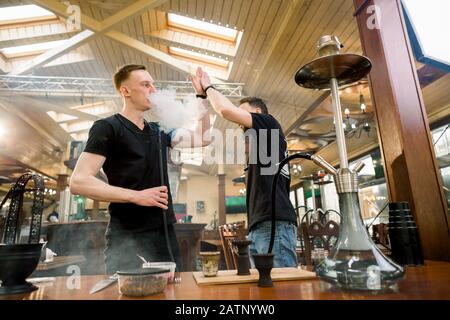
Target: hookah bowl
264, 265
243, 261
19, 260
355, 262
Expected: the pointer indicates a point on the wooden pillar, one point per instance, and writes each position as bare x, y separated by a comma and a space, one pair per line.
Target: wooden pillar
221, 196
411, 168
221, 189
95, 210
61, 184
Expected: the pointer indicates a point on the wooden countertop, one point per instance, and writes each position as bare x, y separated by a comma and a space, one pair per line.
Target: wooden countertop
431, 281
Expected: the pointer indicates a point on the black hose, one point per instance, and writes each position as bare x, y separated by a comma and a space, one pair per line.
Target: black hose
164, 212
274, 189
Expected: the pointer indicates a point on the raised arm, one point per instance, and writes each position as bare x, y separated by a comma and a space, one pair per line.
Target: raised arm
84, 182
223, 106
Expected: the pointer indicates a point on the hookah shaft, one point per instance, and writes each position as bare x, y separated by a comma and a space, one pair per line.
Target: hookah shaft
340, 136
161, 173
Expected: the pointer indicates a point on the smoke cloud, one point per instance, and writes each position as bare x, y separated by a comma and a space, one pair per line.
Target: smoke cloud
173, 113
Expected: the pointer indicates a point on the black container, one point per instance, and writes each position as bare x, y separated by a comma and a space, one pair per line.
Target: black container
264, 265
243, 260
403, 235
17, 262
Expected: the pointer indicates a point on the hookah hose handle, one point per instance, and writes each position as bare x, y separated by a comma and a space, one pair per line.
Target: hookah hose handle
274, 193
164, 212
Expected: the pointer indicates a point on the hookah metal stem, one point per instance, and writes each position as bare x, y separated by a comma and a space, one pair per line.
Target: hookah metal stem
340, 135
274, 193
313, 195
161, 174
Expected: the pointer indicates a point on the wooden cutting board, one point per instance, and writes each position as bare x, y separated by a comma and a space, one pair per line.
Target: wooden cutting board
230, 276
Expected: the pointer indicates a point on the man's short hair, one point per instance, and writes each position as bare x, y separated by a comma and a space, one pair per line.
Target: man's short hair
123, 73
255, 103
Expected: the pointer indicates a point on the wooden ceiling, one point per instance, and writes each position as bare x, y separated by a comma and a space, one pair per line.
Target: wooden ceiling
279, 36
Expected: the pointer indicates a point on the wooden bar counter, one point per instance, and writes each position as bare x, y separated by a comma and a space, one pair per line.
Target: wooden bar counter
431, 281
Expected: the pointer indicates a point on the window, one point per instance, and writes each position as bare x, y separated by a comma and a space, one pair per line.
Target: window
203, 58
30, 49
428, 25
26, 13
206, 28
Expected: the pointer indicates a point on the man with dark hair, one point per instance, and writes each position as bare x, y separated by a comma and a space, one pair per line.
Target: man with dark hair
266, 140
255, 103
128, 149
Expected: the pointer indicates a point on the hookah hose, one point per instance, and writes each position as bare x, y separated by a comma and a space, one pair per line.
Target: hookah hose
274, 189
164, 212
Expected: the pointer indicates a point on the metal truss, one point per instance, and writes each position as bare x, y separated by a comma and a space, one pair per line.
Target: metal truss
94, 87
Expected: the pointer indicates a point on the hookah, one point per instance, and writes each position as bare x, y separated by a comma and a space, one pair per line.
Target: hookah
164, 212
355, 262
19, 260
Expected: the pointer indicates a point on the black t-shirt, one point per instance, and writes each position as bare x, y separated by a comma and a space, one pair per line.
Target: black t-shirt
262, 166
132, 162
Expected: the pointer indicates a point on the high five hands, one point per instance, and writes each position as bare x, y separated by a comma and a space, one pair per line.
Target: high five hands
200, 81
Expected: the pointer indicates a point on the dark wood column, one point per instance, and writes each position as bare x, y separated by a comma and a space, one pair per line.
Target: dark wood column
410, 164
221, 197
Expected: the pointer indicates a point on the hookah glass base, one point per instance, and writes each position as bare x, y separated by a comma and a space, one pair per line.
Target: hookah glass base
356, 263
358, 270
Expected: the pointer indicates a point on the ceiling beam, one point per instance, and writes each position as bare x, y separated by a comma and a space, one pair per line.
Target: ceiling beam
24, 34
321, 99
37, 127
129, 12
103, 27
60, 10
154, 53
96, 28
192, 42
54, 53
4, 68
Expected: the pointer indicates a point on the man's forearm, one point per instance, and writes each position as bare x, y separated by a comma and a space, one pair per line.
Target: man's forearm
219, 101
205, 126
96, 189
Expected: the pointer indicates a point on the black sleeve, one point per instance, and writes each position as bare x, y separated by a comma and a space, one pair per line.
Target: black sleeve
100, 139
263, 121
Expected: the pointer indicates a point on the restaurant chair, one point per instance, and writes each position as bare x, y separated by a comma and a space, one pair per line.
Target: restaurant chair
228, 233
380, 236
318, 235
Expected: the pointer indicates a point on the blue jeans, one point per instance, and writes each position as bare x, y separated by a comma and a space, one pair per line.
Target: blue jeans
283, 246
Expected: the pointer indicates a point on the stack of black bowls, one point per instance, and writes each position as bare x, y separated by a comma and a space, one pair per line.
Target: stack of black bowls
403, 235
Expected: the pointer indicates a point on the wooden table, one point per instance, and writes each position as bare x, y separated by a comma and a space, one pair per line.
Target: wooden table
421, 283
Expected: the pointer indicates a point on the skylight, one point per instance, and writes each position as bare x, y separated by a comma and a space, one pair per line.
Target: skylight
206, 28
430, 25
30, 49
199, 57
17, 14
